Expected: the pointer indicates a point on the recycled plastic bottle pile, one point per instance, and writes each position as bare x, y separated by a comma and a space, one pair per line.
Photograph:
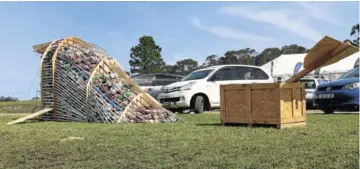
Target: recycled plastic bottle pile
82, 83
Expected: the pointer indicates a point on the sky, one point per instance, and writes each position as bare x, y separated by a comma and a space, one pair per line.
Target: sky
182, 29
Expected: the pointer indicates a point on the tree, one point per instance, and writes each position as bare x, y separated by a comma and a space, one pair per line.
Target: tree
270, 54
267, 55
146, 57
293, 49
8, 99
242, 56
355, 32
35, 98
210, 61
185, 66
170, 69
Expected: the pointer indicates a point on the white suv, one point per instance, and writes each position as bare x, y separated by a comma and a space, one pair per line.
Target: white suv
200, 90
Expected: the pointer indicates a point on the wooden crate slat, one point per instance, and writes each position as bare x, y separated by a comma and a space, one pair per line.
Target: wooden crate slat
265, 103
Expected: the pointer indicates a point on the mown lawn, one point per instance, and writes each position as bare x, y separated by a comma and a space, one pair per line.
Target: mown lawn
328, 141
25, 106
15, 103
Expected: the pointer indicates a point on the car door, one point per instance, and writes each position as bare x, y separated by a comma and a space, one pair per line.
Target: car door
261, 76
244, 75
222, 76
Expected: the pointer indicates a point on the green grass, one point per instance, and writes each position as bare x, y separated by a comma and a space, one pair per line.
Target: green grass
328, 141
24, 102
26, 106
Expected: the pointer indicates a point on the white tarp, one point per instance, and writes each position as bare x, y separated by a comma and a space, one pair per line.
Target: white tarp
284, 65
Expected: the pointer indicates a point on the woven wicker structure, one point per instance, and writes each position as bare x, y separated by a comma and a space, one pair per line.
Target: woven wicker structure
81, 82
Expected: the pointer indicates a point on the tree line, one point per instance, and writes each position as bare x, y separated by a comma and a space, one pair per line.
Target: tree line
146, 57
8, 99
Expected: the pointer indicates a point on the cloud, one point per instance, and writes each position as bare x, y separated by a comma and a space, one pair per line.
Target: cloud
283, 18
228, 33
295, 20
319, 11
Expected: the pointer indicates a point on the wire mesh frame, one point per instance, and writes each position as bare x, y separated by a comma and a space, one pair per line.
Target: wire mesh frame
103, 68
100, 50
73, 42
59, 51
45, 63
136, 103
66, 43
97, 87
137, 88
69, 89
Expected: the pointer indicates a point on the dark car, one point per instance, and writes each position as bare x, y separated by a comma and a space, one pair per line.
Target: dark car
340, 94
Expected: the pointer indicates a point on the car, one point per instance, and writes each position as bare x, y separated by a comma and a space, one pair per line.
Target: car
310, 86
153, 82
340, 94
200, 90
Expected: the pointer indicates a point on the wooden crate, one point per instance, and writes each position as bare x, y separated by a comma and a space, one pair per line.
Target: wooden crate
280, 104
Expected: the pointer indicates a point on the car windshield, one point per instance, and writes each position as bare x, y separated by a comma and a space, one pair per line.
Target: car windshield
350, 74
197, 75
144, 80
309, 83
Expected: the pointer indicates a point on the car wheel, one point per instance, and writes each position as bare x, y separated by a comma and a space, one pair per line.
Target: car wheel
328, 110
199, 104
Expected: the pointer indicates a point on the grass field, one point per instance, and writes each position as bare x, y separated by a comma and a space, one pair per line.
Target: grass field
328, 141
26, 106
25, 102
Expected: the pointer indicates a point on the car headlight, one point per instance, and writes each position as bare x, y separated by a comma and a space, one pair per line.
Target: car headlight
187, 87
351, 86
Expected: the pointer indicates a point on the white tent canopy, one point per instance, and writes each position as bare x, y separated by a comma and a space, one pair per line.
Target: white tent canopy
284, 65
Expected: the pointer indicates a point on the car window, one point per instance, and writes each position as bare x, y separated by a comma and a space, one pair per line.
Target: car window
197, 75
350, 74
309, 83
243, 73
145, 83
322, 81
163, 82
144, 80
165, 77
260, 74
224, 74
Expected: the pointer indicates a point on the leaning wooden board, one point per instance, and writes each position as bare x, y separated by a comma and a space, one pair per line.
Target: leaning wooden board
325, 52
30, 116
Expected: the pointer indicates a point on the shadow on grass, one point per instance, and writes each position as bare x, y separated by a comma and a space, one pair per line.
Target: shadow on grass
238, 125
341, 112
210, 124
334, 114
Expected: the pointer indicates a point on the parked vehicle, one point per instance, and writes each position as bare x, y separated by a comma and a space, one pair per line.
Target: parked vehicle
310, 86
340, 94
152, 83
200, 90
